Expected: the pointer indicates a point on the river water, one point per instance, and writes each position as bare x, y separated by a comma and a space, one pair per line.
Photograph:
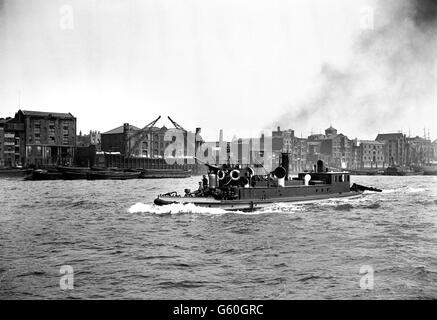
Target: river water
120, 246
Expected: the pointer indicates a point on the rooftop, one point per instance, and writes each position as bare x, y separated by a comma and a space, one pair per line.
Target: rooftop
120, 129
389, 136
46, 114
370, 142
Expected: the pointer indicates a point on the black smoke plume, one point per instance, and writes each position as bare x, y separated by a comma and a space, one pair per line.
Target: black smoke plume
392, 74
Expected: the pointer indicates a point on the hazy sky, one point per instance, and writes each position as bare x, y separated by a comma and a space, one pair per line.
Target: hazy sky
237, 65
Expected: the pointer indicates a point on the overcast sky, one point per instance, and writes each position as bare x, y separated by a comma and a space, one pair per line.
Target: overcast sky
238, 65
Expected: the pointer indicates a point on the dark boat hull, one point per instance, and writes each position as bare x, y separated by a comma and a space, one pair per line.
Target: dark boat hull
405, 173
113, 175
12, 173
430, 170
75, 175
164, 174
250, 204
430, 173
38, 175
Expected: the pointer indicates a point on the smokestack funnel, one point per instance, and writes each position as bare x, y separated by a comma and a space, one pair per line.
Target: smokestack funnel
286, 163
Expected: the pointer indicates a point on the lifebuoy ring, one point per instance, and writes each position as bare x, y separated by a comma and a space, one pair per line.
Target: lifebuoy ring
251, 171
221, 174
235, 175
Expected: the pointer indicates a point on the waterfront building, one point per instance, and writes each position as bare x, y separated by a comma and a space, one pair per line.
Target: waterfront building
419, 151
114, 140
314, 143
283, 141
395, 148
334, 148
91, 139
129, 140
370, 154
434, 150
339, 148
12, 142
36, 138
299, 152
2, 138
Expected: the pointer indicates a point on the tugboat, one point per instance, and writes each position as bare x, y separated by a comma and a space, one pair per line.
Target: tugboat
430, 169
402, 171
234, 188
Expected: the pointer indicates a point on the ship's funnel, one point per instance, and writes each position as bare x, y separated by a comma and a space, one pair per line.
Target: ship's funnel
320, 166
286, 163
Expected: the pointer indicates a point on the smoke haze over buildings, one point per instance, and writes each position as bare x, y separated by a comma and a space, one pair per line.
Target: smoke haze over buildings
390, 80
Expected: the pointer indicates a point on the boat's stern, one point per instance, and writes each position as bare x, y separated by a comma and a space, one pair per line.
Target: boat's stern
163, 200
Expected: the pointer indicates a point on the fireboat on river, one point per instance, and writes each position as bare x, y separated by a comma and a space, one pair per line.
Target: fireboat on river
234, 188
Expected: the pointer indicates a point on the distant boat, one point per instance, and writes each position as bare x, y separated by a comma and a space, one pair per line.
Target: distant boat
401, 171
42, 174
113, 175
367, 172
96, 173
430, 169
75, 175
164, 173
12, 172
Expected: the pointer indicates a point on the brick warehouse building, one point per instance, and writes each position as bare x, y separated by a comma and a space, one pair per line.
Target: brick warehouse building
370, 154
35, 138
395, 148
118, 140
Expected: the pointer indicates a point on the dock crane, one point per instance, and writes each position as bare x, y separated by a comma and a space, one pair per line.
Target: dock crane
139, 137
177, 125
197, 139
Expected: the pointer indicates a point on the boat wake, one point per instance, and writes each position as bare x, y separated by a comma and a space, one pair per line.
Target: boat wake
280, 207
415, 190
173, 209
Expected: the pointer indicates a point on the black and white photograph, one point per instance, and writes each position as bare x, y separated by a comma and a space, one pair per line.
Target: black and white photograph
218, 150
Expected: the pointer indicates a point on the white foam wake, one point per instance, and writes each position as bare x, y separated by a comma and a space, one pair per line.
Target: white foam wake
389, 191
175, 208
415, 190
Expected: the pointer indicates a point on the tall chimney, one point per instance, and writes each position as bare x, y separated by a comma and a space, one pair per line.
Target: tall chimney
126, 143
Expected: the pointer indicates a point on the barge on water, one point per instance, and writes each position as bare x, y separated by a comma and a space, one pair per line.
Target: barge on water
95, 173
233, 188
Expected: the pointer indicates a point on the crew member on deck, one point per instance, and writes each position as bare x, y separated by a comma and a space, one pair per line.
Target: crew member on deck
205, 182
200, 190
